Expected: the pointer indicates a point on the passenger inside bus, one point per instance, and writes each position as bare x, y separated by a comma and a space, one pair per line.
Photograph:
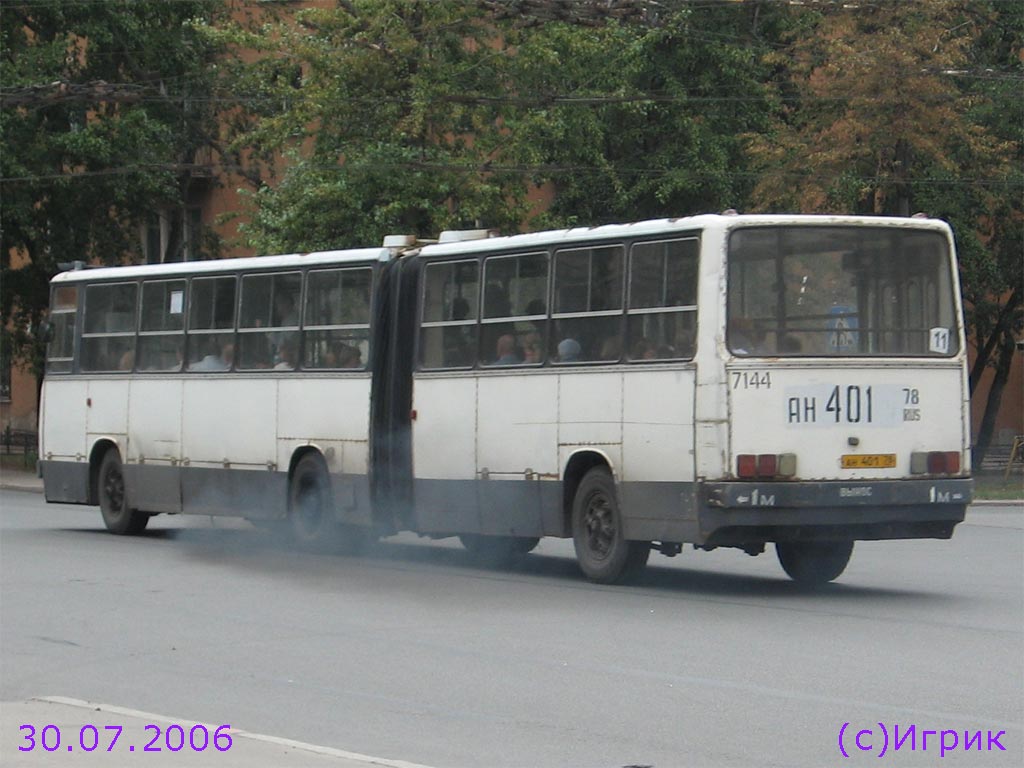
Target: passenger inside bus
288, 354
505, 351
342, 355
216, 360
746, 338
533, 350
569, 351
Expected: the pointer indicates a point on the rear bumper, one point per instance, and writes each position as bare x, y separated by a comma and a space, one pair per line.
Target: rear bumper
741, 513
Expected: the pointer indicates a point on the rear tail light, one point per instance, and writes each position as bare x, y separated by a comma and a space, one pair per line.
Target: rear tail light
935, 463
765, 466
953, 462
746, 466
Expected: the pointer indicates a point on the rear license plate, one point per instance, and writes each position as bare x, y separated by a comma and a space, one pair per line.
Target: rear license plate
868, 460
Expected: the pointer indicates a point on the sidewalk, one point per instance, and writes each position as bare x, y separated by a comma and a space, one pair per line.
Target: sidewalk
70, 720
16, 480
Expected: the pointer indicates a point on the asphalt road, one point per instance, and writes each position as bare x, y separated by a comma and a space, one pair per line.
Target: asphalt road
413, 652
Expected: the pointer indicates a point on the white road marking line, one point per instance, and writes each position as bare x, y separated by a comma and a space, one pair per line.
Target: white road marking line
235, 732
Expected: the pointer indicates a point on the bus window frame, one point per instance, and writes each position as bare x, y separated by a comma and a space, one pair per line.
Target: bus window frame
240, 332
422, 308
624, 247
685, 237
78, 311
156, 334
82, 336
192, 333
366, 363
512, 318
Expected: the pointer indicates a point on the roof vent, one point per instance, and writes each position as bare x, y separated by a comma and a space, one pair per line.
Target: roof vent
730, 212
399, 241
460, 235
920, 215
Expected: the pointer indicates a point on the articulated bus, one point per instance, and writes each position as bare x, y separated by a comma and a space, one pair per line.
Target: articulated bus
721, 380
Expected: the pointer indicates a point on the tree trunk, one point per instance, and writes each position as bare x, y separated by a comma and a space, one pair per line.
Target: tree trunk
1007, 348
1002, 326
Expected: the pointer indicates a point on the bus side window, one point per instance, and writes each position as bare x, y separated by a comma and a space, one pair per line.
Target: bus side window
662, 306
451, 297
211, 324
162, 326
587, 312
268, 325
336, 319
515, 309
63, 311
108, 336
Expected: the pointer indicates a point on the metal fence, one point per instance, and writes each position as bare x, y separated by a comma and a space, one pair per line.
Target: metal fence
20, 442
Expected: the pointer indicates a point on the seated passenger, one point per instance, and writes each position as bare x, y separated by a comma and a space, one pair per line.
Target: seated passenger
505, 350
611, 349
533, 351
745, 337
221, 361
288, 355
643, 349
569, 351
349, 357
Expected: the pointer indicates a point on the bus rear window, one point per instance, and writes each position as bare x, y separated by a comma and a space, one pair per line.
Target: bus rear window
840, 292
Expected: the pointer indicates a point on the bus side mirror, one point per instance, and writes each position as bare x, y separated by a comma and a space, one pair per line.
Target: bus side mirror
44, 332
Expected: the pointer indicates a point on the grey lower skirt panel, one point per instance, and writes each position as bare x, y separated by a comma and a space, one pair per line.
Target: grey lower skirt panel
493, 507
263, 495
257, 494
652, 511
657, 511
65, 482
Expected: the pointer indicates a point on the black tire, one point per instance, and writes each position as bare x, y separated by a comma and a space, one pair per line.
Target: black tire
603, 553
814, 562
311, 510
118, 515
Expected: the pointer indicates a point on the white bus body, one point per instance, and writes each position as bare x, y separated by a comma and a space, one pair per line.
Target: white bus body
714, 380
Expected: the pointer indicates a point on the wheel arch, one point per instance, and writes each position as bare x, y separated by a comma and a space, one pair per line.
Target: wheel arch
579, 463
99, 450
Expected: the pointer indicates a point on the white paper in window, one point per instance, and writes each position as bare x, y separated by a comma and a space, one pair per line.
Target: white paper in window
177, 302
938, 340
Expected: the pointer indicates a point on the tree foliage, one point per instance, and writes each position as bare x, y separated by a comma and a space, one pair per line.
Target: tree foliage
104, 105
417, 116
894, 107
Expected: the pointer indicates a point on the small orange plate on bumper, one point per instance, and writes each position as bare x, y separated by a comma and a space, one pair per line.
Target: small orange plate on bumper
868, 461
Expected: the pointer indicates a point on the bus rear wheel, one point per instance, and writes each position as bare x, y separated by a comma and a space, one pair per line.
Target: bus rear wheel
118, 516
603, 553
311, 511
814, 562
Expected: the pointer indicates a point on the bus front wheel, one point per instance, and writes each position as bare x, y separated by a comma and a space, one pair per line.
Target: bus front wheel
814, 562
118, 515
604, 554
